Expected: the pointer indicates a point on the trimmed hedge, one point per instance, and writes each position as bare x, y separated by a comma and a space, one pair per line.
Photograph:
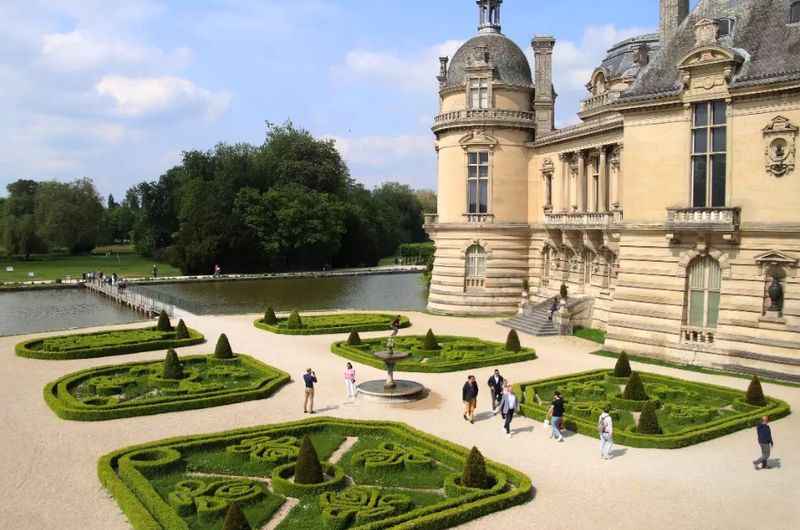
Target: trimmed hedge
623, 366
66, 406
334, 323
755, 394
33, 349
307, 469
748, 418
146, 510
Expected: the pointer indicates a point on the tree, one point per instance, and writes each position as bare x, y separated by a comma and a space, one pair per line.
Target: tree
235, 519
223, 349
19, 233
755, 394
634, 389
623, 366
512, 341
68, 215
163, 322
430, 342
354, 339
294, 321
180, 330
427, 200
308, 470
173, 368
475, 475
648, 420
270, 318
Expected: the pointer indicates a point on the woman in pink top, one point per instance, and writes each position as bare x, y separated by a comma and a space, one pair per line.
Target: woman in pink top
350, 380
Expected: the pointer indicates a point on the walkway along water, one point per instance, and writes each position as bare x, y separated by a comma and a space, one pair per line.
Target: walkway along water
136, 301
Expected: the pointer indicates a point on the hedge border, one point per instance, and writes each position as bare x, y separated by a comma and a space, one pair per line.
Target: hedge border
343, 349
449, 513
775, 409
283, 486
70, 409
23, 348
331, 330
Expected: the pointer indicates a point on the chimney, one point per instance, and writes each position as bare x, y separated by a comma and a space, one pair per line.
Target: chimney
442, 77
544, 103
673, 12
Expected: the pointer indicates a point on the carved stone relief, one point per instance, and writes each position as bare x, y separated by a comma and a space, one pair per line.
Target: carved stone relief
780, 138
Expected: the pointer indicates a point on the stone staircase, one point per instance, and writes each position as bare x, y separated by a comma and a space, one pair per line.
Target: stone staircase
534, 320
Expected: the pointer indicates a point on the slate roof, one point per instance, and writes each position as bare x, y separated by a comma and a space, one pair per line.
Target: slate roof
619, 59
770, 46
511, 65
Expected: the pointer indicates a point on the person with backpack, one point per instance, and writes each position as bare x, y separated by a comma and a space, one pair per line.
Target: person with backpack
556, 414
605, 427
509, 405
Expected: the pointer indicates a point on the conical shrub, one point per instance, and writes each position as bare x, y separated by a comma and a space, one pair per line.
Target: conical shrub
223, 349
512, 341
270, 318
430, 342
180, 330
755, 394
163, 322
173, 368
235, 519
634, 390
294, 322
623, 366
475, 470
648, 421
354, 339
308, 470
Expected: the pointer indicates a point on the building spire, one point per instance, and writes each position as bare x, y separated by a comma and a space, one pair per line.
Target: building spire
489, 16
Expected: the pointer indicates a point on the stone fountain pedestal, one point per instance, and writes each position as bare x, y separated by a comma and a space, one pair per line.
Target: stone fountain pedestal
391, 390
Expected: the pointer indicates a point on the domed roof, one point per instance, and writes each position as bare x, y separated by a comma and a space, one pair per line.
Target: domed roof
511, 65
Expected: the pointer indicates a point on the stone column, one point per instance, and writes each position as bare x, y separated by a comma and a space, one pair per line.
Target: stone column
603, 206
581, 185
615, 164
563, 202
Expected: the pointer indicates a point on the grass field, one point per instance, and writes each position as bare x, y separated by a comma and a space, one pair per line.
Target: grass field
60, 267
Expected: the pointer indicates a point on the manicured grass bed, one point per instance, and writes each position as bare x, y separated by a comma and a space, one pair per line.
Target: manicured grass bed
392, 477
138, 389
104, 343
688, 413
335, 323
455, 353
594, 335
59, 267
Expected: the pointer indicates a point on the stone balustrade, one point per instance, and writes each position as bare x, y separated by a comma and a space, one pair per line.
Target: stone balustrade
695, 335
431, 218
479, 218
583, 220
596, 102
470, 117
709, 219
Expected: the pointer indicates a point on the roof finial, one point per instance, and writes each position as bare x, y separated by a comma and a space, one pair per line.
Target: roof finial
489, 16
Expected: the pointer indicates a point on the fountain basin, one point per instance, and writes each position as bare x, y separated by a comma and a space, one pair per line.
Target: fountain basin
402, 391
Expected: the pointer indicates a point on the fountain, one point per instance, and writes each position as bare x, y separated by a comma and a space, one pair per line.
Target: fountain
391, 390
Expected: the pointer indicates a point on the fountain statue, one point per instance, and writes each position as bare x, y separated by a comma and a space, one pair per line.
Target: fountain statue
391, 390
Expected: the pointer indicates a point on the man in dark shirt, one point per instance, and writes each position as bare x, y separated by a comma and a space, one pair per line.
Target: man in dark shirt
309, 378
765, 441
496, 384
469, 393
556, 413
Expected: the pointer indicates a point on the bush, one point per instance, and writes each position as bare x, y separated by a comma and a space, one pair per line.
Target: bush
634, 390
173, 368
180, 330
294, 322
430, 342
648, 421
235, 519
512, 341
755, 394
163, 322
354, 339
475, 470
223, 349
270, 318
308, 470
623, 366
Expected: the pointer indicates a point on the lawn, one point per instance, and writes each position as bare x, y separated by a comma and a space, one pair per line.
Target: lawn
594, 335
687, 412
335, 323
59, 267
378, 475
138, 389
453, 354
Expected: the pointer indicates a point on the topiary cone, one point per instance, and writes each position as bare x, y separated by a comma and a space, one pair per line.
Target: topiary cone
163, 322
634, 390
294, 322
623, 366
512, 341
648, 421
430, 342
173, 368
223, 349
269, 317
235, 519
308, 470
354, 339
755, 394
180, 330
475, 470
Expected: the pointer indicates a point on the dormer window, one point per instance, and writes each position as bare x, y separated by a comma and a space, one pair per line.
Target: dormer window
479, 93
794, 13
725, 27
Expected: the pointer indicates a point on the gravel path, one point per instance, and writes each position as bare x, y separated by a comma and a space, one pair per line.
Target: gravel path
48, 471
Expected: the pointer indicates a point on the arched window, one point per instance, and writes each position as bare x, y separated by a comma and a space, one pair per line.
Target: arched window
794, 13
476, 266
703, 293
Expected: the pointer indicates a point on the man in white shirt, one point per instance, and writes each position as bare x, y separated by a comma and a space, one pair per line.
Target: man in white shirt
605, 426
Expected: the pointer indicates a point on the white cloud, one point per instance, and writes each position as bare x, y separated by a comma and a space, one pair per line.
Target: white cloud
136, 97
379, 151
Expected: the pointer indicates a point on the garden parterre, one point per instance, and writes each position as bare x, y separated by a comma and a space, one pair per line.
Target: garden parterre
392, 477
334, 323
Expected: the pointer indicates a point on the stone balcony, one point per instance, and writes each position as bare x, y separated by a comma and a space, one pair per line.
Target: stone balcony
479, 218
724, 220
594, 103
582, 220
484, 117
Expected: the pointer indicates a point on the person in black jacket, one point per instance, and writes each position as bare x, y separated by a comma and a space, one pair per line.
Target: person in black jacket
496, 384
765, 441
470, 396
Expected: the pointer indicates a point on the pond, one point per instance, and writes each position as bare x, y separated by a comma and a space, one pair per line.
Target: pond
367, 292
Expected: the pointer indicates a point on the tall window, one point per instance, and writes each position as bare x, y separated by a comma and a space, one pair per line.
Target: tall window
704, 293
709, 161
476, 266
794, 13
546, 264
479, 93
478, 182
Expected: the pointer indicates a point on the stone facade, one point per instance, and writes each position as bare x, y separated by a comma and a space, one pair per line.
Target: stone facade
672, 208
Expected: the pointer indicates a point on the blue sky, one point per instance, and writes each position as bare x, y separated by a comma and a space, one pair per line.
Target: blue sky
116, 90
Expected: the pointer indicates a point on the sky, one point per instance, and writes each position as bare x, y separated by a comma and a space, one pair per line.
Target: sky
116, 90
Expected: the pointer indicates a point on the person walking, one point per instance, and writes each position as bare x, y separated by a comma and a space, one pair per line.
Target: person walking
509, 404
496, 385
765, 441
310, 379
553, 308
350, 380
605, 426
556, 413
470, 396
155, 271
396, 324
